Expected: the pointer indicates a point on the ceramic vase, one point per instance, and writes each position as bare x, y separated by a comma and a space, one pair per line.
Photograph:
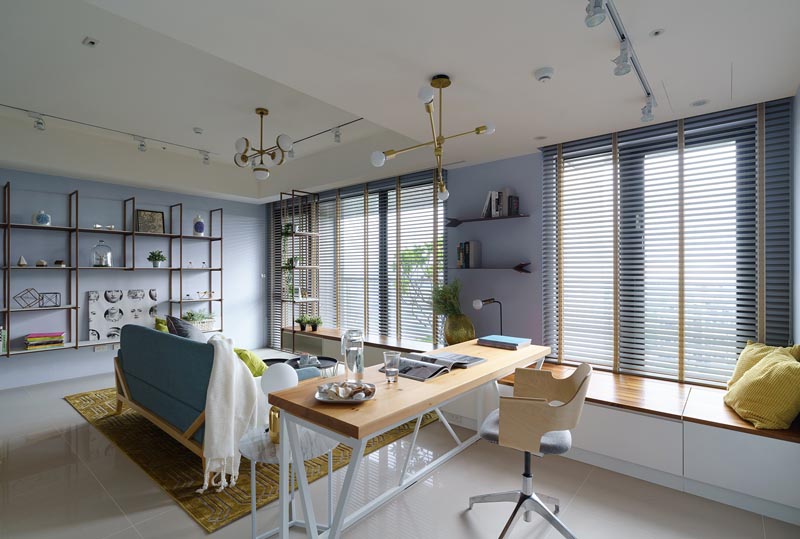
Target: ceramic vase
199, 226
41, 218
458, 328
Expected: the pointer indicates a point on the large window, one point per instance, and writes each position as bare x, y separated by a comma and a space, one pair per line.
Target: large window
381, 249
666, 248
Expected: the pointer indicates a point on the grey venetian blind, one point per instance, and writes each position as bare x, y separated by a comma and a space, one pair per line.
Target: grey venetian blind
381, 245
667, 247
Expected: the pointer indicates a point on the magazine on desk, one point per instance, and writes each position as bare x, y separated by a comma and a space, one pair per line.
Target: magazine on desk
422, 367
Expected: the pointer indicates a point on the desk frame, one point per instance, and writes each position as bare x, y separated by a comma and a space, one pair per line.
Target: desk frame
340, 521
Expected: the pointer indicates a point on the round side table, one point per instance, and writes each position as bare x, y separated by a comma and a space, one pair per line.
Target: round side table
257, 447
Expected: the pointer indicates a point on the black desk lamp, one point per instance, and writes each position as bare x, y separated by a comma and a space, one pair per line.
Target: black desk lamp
479, 303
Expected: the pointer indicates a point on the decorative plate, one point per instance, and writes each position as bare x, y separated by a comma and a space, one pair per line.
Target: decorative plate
361, 393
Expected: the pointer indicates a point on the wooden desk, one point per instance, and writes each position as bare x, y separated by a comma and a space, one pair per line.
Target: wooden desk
392, 406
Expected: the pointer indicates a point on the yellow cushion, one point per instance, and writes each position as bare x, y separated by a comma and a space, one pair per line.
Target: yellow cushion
768, 394
161, 325
752, 354
253, 362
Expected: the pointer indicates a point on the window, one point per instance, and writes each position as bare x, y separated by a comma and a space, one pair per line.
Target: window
381, 246
666, 248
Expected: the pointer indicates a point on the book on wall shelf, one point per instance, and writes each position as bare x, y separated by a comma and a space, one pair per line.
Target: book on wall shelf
44, 341
500, 204
468, 255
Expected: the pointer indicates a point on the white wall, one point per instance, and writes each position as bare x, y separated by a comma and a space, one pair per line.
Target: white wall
244, 267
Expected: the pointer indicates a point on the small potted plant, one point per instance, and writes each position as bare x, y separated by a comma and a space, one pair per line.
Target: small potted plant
156, 257
303, 321
203, 320
315, 322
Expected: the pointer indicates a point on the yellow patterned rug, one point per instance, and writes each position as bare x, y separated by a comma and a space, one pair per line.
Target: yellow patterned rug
178, 471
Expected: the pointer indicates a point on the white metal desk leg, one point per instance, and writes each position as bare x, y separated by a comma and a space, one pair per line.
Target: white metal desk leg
410, 450
479, 409
347, 487
253, 498
330, 487
283, 481
302, 481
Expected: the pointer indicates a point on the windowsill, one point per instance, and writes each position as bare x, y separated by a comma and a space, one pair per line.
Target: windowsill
673, 400
378, 341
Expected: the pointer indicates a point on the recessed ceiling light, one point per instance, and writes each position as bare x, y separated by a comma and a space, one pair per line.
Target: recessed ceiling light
657, 32
89, 42
700, 102
540, 137
197, 130
544, 74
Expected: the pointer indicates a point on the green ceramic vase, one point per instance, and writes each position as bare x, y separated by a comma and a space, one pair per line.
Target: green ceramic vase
458, 328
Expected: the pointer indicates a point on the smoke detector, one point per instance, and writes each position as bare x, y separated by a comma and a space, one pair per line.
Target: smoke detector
544, 74
89, 42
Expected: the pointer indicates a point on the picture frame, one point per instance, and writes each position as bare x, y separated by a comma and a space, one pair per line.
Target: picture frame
150, 221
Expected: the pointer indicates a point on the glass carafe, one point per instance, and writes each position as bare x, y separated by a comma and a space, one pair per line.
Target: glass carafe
353, 352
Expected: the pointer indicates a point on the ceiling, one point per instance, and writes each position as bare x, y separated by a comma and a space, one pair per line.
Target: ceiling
162, 68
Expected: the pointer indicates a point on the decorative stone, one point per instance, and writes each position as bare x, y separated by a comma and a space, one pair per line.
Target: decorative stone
41, 263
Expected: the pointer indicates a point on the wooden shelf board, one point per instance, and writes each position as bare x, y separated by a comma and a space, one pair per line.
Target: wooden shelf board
156, 234
301, 300
193, 300
306, 267
85, 344
67, 346
306, 234
42, 268
453, 222
34, 309
105, 231
105, 268
206, 238
198, 269
43, 227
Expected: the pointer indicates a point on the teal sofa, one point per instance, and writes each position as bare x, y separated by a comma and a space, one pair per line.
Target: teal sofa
165, 378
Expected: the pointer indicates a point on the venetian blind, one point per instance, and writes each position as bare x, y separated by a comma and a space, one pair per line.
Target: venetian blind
652, 258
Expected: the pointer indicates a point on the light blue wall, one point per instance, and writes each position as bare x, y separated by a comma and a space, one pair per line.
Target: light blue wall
244, 262
503, 243
796, 219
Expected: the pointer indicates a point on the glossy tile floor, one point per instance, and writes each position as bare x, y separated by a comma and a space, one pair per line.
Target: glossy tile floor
61, 478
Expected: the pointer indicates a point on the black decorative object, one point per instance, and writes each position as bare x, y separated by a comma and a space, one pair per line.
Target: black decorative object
50, 299
27, 298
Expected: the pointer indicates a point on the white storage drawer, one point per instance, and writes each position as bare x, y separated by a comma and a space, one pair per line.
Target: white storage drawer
646, 440
756, 465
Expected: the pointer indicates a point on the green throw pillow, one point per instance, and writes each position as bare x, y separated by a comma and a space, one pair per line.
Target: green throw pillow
161, 325
253, 362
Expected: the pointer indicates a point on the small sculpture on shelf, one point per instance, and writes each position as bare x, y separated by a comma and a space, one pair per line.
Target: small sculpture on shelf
27, 298
98, 226
59, 263
41, 263
205, 294
101, 255
22, 263
50, 299
199, 226
156, 257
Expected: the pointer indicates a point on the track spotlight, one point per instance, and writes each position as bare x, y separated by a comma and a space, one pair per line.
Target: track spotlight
337, 135
647, 109
290, 154
142, 143
623, 61
595, 13
206, 157
38, 121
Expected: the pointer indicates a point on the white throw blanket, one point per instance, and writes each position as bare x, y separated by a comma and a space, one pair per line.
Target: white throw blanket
230, 411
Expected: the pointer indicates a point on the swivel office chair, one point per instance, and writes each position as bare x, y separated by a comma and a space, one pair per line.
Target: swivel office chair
536, 420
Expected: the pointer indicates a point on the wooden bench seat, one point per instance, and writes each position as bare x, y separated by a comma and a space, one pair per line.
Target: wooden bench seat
686, 402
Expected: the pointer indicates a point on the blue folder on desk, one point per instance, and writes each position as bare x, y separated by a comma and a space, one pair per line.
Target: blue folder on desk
504, 341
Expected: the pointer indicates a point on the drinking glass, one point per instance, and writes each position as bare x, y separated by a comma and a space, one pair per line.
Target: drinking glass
353, 352
391, 365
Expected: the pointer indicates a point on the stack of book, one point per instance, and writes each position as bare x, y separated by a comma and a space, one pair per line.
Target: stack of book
469, 254
505, 342
43, 341
500, 204
3, 340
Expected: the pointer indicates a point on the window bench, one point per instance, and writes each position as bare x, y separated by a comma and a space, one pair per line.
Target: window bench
685, 437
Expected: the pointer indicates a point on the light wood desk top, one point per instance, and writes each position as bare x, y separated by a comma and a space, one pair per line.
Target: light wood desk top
394, 403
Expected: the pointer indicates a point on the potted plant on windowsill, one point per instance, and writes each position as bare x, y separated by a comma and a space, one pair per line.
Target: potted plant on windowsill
315, 322
303, 320
156, 257
457, 326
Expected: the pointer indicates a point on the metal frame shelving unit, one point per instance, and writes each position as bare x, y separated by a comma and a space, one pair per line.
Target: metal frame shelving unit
129, 234
301, 210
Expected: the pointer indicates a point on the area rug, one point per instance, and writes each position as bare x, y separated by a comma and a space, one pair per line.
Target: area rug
178, 471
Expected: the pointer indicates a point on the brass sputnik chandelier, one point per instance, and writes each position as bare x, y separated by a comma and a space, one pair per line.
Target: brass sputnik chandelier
426, 95
262, 158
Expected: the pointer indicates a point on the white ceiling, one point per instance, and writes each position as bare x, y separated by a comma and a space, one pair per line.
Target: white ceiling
315, 64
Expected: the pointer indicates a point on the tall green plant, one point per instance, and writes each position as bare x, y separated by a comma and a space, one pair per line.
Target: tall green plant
445, 299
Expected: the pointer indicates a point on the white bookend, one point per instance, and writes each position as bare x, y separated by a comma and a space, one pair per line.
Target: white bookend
487, 206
